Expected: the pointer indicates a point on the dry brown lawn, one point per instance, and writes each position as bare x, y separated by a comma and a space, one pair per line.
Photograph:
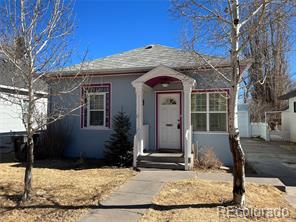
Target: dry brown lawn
198, 200
58, 194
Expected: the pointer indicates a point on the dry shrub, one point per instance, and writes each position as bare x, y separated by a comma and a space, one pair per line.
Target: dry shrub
207, 159
53, 141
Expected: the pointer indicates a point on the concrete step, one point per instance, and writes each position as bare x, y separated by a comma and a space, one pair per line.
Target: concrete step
163, 159
160, 165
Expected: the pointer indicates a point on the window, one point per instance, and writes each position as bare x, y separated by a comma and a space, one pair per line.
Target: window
199, 112
95, 112
96, 109
209, 111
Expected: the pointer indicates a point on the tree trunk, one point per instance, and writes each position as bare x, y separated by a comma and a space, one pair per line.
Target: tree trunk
238, 154
29, 167
234, 140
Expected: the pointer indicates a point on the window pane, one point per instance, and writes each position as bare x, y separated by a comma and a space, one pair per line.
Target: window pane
217, 121
96, 118
199, 102
96, 102
199, 121
218, 102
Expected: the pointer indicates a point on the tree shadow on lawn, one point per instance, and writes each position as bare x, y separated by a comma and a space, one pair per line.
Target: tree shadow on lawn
136, 206
67, 164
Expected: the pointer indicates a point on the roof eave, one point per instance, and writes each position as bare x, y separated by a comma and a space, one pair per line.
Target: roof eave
246, 63
288, 95
124, 70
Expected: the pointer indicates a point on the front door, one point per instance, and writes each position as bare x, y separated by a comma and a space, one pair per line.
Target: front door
169, 126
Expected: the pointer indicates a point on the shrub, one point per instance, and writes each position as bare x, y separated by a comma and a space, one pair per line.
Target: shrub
207, 159
119, 148
52, 142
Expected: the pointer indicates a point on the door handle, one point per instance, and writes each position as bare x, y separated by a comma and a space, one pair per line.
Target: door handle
169, 124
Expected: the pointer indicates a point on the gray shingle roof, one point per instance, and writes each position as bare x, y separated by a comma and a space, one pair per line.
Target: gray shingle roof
11, 78
147, 57
288, 95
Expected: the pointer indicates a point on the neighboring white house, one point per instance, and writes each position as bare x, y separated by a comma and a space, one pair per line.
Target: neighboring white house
12, 114
13, 103
289, 115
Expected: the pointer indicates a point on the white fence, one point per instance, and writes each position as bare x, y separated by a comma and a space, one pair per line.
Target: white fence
260, 130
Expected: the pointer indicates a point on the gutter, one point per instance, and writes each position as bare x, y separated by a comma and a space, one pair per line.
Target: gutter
21, 90
137, 70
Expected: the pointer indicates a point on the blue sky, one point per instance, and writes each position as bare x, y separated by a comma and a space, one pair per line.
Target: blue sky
107, 27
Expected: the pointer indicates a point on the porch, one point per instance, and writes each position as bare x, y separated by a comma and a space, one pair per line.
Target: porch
163, 136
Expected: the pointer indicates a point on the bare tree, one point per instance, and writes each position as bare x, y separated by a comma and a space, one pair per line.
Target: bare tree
34, 41
222, 24
269, 77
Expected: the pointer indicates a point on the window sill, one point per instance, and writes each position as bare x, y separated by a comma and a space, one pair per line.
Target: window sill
210, 132
96, 128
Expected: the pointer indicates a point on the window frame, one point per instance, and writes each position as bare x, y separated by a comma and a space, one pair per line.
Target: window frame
91, 88
208, 112
89, 110
203, 112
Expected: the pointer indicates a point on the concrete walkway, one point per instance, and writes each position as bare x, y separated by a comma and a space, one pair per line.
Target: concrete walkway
134, 197
220, 176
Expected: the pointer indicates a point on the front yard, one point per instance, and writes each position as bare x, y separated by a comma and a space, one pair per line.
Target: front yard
199, 200
59, 192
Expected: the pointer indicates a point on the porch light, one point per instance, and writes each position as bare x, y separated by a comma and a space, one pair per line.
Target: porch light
165, 84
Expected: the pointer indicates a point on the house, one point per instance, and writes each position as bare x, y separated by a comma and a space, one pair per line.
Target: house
288, 116
174, 99
13, 104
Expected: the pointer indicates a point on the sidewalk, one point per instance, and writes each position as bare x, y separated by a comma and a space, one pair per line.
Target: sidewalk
134, 197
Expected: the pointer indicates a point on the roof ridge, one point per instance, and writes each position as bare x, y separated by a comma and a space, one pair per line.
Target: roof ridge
130, 50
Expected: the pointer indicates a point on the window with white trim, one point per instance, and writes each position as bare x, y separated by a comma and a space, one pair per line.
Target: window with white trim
95, 113
96, 109
209, 111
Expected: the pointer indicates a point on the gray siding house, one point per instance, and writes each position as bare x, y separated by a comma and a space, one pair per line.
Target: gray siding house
173, 98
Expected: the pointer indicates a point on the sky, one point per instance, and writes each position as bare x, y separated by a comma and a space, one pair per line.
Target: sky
108, 27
